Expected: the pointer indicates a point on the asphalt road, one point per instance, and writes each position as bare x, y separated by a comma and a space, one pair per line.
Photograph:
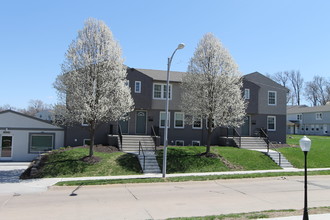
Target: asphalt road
164, 200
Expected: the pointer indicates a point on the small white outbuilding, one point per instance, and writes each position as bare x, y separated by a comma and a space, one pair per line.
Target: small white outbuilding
22, 137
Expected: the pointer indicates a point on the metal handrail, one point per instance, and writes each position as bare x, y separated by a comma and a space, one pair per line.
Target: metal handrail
154, 136
236, 134
264, 135
144, 156
120, 137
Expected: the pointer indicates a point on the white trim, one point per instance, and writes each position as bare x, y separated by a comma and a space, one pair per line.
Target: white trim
193, 127
168, 118
179, 141
162, 91
136, 121
41, 134
12, 146
275, 98
274, 117
192, 143
246, 93
175, 119
137, 89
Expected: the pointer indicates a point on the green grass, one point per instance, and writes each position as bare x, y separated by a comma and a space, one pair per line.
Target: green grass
187, 178
188, 160
318, 156
69, 164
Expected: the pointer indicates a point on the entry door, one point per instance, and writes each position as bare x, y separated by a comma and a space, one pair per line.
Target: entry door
6, 147
141, 122
124, 126
246, 126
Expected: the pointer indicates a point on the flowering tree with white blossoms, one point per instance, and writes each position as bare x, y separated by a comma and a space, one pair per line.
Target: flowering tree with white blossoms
92, 86
212, 87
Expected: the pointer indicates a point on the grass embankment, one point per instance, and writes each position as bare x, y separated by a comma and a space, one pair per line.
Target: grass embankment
68, 163
318, 156
188, 160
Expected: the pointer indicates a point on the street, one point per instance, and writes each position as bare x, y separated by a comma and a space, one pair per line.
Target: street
165, 200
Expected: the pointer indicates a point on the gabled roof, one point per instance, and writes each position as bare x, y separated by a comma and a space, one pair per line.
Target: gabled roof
304, 109
161, 75
28, 116
259, 79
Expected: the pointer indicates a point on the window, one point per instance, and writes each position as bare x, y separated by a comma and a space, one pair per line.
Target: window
179, 120
162, 119
86, 142
312, 127
179, 143
246, 93
84, 122
137, 87
271, 97
299, 117
318, 116
159, 91
195, 143
197, 123
40, 142
271, 123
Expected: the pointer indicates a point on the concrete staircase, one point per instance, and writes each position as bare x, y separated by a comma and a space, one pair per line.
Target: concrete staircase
131, 143
148, 161
275, 156
257, 143
253, 143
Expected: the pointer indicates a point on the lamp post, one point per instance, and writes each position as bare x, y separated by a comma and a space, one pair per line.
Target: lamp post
169, 61
305, 145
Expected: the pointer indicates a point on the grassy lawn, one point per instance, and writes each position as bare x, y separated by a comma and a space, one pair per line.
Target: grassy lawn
187, 160
318, 157
69, 164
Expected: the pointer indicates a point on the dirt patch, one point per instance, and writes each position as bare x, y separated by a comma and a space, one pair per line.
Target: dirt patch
91, 160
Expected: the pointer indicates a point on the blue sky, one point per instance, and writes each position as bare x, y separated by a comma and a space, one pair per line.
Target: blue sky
262, 35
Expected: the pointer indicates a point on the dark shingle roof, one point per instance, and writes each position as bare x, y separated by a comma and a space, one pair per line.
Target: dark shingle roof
161, 75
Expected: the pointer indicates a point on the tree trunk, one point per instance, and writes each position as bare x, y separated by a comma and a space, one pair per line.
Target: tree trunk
92, 137
209, 132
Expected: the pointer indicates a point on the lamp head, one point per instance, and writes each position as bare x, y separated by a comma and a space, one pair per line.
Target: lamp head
180, 46
305, 144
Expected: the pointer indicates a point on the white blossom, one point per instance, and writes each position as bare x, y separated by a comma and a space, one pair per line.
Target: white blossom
212, 86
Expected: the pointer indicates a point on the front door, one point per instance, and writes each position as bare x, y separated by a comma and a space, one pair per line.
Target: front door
124, 126
245, 129
6, 147
141, 122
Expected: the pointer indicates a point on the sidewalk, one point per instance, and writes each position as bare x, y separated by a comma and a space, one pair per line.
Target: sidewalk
311, 217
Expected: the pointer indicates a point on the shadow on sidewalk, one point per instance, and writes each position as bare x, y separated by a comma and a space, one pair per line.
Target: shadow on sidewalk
10, 176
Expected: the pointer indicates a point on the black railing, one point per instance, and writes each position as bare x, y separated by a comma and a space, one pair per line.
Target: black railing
236, 135
155, 137
144, 156
120, 137
264, 135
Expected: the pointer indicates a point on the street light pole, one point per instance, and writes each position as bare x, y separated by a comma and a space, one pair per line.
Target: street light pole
305, 145
169, 61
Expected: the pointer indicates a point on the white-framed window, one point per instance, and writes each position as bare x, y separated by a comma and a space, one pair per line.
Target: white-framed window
197, 123
84, 122
299, 117
195, 143
179, 143
271, 123
318, 116
86, 142
272, 96
178, 120
162, 119
137, 87
246, 93
126, 83
40, 142
159, 91
317, 127
312, 127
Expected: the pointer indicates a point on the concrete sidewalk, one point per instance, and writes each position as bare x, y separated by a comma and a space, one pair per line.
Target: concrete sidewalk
311, 217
